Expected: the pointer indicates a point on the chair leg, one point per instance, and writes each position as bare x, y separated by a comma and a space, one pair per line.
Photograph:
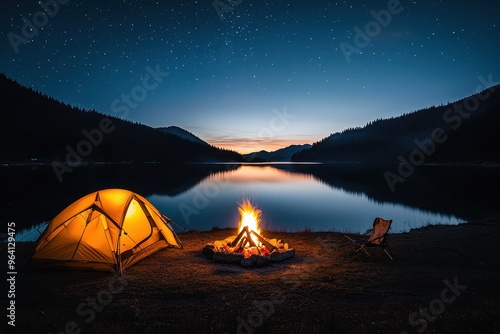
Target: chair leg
357, 248
365, 252
362, 248
385, 249
388, 251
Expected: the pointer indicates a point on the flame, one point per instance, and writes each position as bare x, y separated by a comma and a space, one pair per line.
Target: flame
249, 216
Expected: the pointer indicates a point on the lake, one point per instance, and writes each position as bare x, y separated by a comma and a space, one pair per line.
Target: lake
292, 197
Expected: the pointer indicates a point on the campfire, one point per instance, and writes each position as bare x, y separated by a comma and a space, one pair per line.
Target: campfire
249, 248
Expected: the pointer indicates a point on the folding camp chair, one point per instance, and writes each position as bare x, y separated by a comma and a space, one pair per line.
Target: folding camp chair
377, 240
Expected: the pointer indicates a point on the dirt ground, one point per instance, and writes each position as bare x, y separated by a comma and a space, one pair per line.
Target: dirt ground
444, 279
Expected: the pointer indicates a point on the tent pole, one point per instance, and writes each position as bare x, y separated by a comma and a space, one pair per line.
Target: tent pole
118, 253
170, 221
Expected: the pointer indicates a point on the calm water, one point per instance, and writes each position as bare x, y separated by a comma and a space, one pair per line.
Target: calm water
292, 197
289, 202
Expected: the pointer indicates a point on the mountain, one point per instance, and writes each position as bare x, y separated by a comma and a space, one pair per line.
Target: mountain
463, 131
179, 132
36, 127
281, 155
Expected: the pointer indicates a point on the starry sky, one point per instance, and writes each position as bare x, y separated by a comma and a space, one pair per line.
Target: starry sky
251, 75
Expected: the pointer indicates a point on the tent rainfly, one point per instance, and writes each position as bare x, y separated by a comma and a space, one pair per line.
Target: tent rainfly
106, 230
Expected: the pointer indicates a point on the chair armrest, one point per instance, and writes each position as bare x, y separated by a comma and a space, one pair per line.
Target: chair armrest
381, 237
355, 240
368, 231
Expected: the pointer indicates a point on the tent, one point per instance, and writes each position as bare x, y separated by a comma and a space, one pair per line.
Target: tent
106, 230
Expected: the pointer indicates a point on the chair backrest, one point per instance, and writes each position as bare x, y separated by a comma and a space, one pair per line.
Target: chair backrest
380, 228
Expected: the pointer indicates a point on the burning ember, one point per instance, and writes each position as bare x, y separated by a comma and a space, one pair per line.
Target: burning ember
250, 219
249, 247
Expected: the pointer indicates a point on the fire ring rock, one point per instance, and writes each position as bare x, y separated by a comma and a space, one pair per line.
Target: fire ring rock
227, 257
249, 248
260, 261
208, 251
280, 256
247, 262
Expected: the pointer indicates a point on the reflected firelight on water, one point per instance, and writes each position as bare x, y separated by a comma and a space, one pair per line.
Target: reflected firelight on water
288, 200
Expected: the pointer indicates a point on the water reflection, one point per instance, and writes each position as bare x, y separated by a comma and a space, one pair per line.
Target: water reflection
463, 191
292, 197
33, 195
289, 200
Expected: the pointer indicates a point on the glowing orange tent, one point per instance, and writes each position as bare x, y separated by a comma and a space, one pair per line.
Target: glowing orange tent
105, 230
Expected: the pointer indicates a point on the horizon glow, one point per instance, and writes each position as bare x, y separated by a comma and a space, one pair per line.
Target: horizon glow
228, 74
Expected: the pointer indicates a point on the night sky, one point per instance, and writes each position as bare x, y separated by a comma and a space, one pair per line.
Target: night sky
264, 75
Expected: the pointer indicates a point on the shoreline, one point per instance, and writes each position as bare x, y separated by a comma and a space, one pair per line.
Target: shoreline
493, 164
323, 288
184, 231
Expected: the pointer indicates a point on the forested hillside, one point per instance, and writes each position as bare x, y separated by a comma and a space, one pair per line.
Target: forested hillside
36, 127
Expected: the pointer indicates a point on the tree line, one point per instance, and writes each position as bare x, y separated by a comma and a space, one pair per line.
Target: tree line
36, 127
